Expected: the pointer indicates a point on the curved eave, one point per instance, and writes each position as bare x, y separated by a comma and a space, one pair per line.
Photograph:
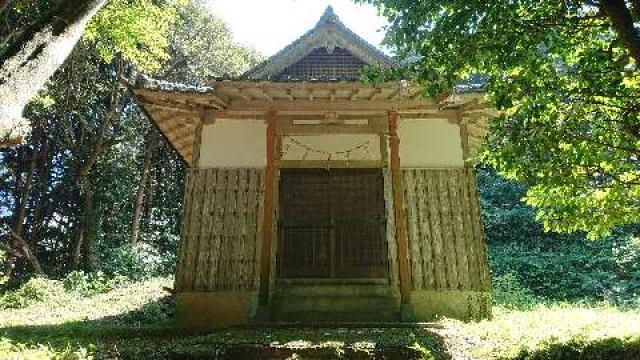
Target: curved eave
177, 115
475, 113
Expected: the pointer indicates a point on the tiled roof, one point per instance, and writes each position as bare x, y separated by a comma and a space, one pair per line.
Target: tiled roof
142, 81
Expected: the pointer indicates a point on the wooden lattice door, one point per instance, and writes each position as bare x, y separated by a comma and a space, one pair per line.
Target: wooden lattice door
332, 224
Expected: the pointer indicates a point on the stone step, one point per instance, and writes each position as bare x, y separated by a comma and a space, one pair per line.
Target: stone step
336, 290
336, 303
320, 317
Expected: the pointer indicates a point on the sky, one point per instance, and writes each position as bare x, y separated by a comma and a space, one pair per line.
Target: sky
270, 25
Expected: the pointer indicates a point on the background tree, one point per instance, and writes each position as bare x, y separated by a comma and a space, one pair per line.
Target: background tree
564, 74
95, 186
37, 36
196, 59
30, 54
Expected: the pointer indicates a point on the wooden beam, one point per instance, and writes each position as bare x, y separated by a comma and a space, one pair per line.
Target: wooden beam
451, 115
177, 129
376, 94
184, 141
240, 92
326, 129
197, 140
168, 106
477, 132
174, 95
402, 244
354, 94
226, 85
384, 149
328, 164
417, 94
192, 101
170, 126
464, 141
162, 115
218, 101
323, 104
264, 94
268, 208
474, 143
187, 153
397, 93
448, 115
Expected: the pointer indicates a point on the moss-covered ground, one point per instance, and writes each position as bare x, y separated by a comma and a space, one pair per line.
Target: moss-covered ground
133, 322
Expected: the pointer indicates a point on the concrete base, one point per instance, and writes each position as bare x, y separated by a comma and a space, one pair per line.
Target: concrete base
262, 314
406, 313
208, 310
335, 303
463, 305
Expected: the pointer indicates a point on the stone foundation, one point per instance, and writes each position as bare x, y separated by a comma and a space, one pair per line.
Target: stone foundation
208, 310
463, 305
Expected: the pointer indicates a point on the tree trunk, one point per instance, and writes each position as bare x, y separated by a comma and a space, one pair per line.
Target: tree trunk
19, 248
85, 244
4, 4
74, 260
33, 56
18, 244
622, 21
25, 192
139, 200
42, 174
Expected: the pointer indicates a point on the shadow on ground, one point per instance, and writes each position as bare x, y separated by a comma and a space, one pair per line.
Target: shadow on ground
147, 333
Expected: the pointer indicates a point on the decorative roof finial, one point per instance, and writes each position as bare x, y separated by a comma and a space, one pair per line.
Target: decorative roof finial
329, 16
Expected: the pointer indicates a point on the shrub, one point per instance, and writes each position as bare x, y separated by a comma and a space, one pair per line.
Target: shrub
573, 268
152, 312
90, 283
35, 290
509, 293
138, 263
557, 267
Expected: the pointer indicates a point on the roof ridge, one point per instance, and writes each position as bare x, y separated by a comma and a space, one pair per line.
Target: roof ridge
328, 18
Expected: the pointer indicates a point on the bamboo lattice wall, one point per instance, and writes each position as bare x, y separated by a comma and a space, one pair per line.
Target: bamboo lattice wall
220, 230
446, 240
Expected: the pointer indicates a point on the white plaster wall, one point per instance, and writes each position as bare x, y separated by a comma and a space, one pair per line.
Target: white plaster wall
234, 143
370, 149
429, 143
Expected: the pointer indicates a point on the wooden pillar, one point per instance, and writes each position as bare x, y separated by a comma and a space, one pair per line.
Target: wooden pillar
464, 139
197, 140
267, 222
398, 205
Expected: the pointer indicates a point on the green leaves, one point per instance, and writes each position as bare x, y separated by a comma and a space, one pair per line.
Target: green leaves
567, 89
201, 47
136, 30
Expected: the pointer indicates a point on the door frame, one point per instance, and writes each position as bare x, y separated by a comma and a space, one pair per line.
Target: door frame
390, 273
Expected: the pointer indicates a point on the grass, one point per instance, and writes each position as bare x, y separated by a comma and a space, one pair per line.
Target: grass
557, 331
133, 321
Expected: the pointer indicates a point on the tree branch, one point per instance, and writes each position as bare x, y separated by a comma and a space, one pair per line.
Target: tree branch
622, 22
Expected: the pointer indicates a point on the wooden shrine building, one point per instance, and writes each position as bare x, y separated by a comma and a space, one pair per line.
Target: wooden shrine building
313, 196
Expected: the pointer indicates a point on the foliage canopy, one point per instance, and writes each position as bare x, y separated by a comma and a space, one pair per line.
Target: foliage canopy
564, 75
94, 161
